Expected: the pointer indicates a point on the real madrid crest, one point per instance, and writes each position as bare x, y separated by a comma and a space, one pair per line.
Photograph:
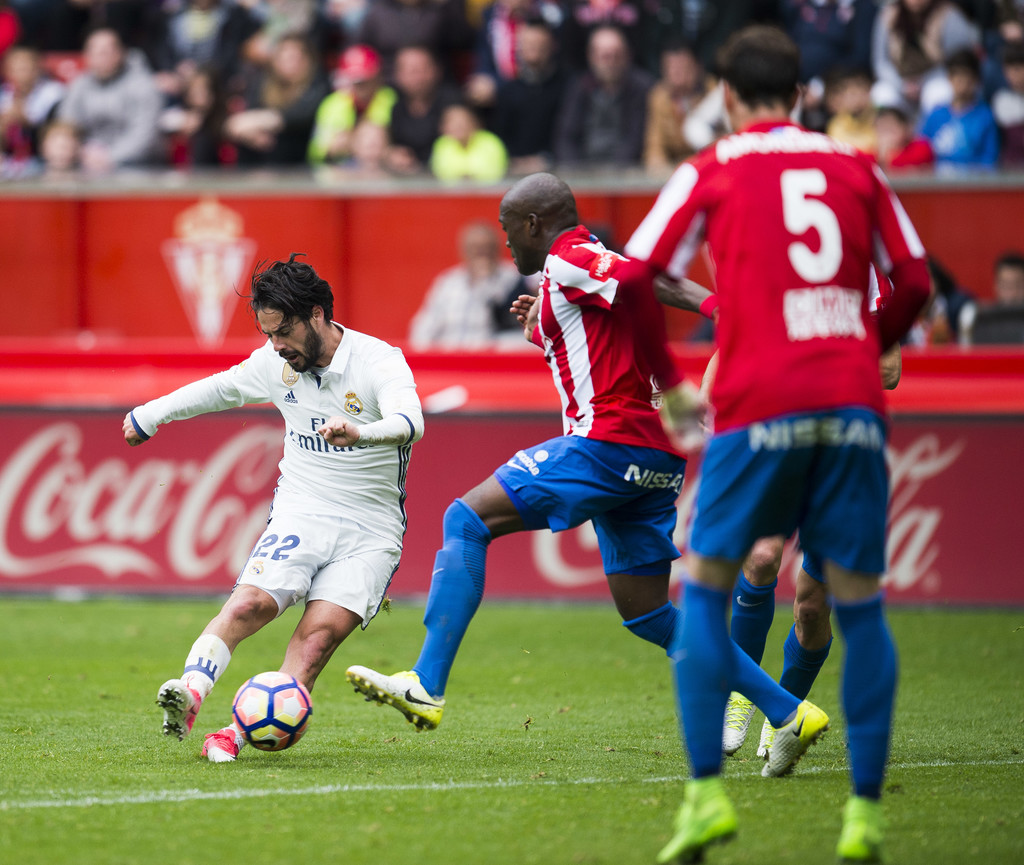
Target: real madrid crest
256, 568
353, 405
289, 376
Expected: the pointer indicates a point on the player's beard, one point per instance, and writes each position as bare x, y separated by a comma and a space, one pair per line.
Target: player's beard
312, 348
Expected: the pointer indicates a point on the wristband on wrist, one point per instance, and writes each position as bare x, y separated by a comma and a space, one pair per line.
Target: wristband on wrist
709, 305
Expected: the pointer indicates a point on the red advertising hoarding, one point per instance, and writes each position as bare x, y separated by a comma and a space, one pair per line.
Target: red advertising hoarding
78, 508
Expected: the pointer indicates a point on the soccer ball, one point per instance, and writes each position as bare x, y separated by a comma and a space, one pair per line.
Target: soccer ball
272, 710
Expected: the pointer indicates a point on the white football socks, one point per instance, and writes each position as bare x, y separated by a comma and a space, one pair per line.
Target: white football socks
206, 662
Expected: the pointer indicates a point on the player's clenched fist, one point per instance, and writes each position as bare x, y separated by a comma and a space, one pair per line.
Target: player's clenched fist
340, 432
131, 435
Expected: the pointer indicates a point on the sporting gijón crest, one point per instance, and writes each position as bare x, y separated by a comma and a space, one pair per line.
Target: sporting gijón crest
207, 261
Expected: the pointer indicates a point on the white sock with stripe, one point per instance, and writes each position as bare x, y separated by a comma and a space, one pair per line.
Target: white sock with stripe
206, 662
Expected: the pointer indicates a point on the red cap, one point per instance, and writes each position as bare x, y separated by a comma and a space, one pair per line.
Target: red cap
359, 63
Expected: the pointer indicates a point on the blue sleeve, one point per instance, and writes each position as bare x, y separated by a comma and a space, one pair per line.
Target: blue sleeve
988, 153
932, 123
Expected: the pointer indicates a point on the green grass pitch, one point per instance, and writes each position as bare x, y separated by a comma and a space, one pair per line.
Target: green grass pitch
559, 745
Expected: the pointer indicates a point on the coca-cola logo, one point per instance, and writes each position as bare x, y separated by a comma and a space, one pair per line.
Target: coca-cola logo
914, 527
196, 516
913, 543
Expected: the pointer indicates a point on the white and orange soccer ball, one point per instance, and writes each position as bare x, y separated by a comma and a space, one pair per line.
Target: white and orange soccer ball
272, 710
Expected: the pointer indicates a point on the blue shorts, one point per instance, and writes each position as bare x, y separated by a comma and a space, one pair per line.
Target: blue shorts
823, 473
628, 492
814, 567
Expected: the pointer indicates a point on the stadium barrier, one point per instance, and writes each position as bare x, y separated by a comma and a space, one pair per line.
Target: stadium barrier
80, 510
116, 296
162, 261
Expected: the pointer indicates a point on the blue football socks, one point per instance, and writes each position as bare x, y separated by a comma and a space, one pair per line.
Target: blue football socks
702, 661
753, 609
800, 666
456, 588
868, 690
657, 626
761, 689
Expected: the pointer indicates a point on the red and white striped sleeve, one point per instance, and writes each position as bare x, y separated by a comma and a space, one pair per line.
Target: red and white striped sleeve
582, 272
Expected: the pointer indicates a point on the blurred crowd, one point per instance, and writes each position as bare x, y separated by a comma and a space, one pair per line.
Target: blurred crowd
479, 89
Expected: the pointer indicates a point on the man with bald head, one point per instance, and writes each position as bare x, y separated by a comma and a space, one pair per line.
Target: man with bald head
614, 465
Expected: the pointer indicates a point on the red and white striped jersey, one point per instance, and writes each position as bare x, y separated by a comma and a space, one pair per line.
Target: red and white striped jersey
589, 344
793, 221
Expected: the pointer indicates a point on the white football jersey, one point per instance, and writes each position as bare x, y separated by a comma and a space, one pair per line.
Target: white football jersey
368, 379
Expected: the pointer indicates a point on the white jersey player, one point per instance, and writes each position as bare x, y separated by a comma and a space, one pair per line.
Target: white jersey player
334, 536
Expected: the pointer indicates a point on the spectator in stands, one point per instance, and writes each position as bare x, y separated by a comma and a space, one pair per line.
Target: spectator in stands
275, 127
1008, 105
416, 116
368, 154
911, 39
527, 107
963, 133
115, 105
1010, 19
899, 147
346, 17
465, 151
440, 26
195, 124
680, 88
60, 151
951, 310
704, 24
496, 55
632, 18
848, 99
467, 305
207, 33
1002, 319
360, 94
830, 34
1008, 279
1001, 21
281, 19
10, 26
28, 100
605, 110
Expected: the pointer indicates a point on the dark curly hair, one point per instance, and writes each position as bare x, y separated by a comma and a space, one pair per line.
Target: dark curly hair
290, 287
761, 64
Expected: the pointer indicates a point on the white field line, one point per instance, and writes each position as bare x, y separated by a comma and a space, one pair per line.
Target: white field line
160, 796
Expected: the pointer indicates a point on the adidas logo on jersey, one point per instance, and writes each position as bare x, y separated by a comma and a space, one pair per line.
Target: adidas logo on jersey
290, 398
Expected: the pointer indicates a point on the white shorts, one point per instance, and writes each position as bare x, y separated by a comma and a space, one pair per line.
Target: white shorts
312, 557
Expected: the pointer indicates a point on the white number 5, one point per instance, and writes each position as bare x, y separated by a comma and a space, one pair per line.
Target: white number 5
800, 213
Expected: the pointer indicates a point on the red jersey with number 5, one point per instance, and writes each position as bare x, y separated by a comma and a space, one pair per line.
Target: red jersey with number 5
793, 221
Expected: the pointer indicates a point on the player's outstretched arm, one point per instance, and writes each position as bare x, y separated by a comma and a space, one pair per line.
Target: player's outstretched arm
685, 294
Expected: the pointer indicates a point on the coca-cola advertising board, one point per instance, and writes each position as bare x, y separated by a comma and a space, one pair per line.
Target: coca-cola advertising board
80, 509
